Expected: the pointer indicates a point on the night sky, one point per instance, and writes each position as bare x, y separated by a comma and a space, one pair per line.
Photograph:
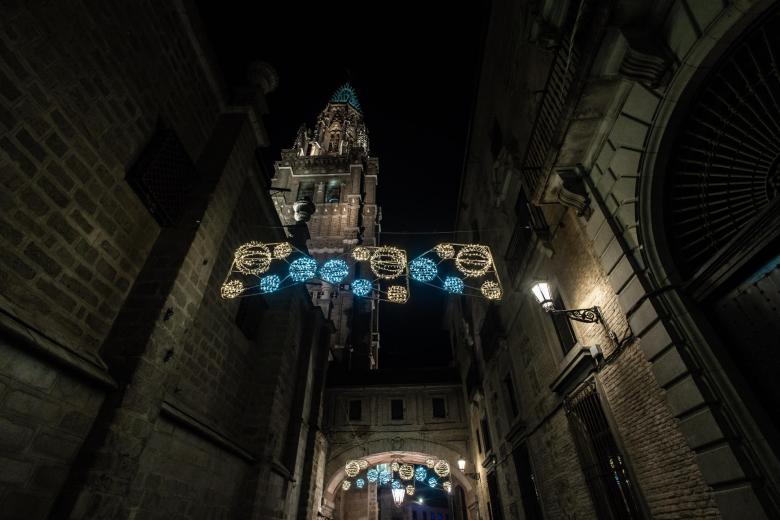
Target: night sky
414, 70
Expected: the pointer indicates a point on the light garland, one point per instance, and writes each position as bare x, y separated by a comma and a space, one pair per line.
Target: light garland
410, 490
395, 466
282, 250
270, 283
453, 284
473, 260
420, 474
334, 271
346, 485
445, 251
360, 483
352, 468
423, 269
430, 462
303, 269
252, 258
372, 475
442, 468
406, 472
231, 289
397, 294
491, 290
433, 482
362, 287
361, 253
388, 262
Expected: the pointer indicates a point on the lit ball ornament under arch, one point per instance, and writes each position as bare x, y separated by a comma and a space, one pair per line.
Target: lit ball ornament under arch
395, 466
270, 283
410, 490
352, 468
423, 269
362, 287
361, 254
406, 472
334, 271
473, 260
346, 485
396, 484
372, 475
430, 462
453, 284
360, 483
445, 251
442, 468
420, 474
282, 250
363, 463
303, 268
384, 477
232, 289
388, 262
252, 258
433, 482
397, 293
491, 290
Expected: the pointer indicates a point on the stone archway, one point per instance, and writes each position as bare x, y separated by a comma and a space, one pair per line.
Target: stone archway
416, 451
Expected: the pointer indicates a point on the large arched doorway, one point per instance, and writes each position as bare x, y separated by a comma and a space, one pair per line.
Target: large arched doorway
709, 221
371, 499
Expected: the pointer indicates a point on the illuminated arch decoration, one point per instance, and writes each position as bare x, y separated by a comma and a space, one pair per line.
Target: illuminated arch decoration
460, 269
401, 477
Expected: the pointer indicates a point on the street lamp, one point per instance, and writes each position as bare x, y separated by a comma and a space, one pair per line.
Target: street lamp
543, 295
462, 468
462, 464
398, 496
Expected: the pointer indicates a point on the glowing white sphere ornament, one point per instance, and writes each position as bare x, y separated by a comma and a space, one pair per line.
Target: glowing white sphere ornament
395, 466
410, 490
363, 464
442, 468
232, 289
430, 462
445, 251
252, 258
346, 485
388, 262
334, 271
491, 290
473, 260
352, 468
423, 269
361, 254
406, 472
282, 250
397, 294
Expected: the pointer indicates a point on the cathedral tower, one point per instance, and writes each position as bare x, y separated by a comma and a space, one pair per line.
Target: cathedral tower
330, 166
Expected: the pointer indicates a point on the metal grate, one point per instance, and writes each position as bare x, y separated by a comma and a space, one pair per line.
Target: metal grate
724, 170
163, 177
602, 463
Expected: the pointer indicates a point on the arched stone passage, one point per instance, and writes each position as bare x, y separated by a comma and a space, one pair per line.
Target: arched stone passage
416, 452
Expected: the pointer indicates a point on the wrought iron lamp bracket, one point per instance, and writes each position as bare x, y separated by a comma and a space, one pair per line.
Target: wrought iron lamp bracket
589, 315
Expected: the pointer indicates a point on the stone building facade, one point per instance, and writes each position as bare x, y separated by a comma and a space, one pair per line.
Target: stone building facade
612, 147
128, 387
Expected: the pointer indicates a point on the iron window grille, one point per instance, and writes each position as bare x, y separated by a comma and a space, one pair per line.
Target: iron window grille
612, 490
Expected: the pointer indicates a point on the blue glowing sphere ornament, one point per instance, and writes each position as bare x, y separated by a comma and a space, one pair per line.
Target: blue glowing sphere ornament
423, 269
453, 284
270, 283
362, 287
396, 484
360, 483
420, 474
372, 475
334, 271
433, 481
303, 268
384, 477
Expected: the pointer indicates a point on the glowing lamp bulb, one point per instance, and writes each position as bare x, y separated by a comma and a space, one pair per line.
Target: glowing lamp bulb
543, 295
462, 464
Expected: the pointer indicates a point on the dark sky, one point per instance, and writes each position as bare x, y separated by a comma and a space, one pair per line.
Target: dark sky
414, 69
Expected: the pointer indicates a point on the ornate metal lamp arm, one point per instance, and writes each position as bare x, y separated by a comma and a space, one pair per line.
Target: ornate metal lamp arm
590, 315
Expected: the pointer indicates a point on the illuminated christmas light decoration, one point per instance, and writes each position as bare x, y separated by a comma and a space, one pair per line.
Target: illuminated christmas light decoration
360, 483
396, 484
372, 475
453, 284
420, 474
433, 482
423, 269
442, 468
270, 283
303, 268
397, 294
232, 289
447, 485
363, 464
384, 477
252, 258
388, 262
395, 466
445, 251
346, 485
398, 496
473, 260
352, 468
282, 250
491, 290
362, 287
361, 254
410, 490
406, 472
334, 271
430, 463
